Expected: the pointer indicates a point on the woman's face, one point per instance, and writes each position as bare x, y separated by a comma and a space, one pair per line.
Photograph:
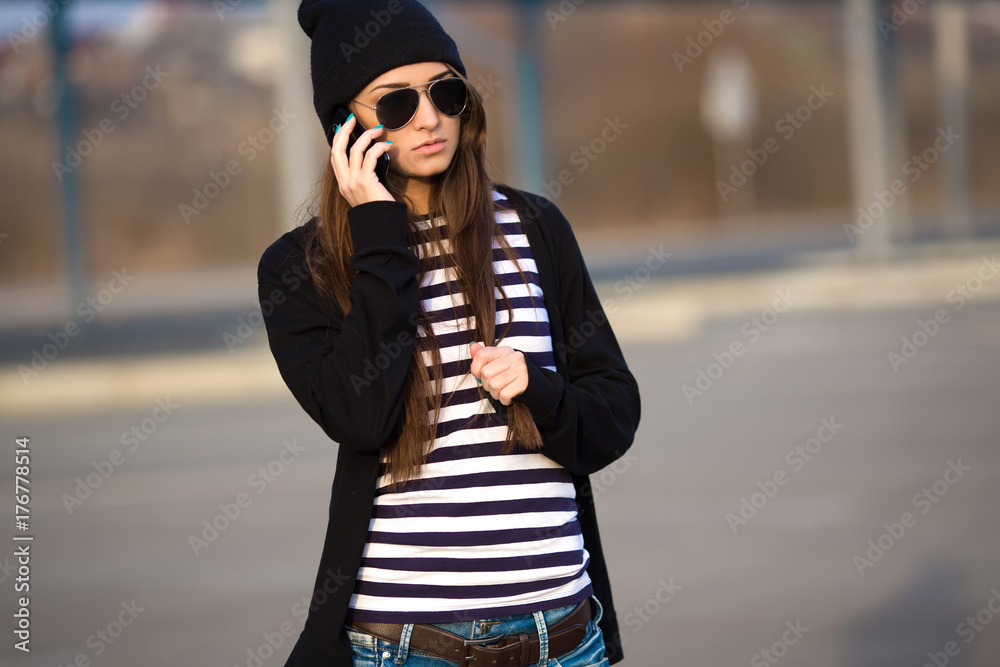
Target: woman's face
427, 123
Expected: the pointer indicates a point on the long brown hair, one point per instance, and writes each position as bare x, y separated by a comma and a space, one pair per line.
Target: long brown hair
462, 195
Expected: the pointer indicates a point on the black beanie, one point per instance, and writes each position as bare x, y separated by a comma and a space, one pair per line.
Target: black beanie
355, 41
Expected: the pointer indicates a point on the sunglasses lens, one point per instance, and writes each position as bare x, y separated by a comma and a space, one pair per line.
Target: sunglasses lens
449, 96
395, 109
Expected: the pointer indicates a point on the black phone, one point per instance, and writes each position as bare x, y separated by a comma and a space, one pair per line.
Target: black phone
340, 114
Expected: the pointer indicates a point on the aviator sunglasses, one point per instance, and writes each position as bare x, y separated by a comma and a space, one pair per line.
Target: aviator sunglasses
397, 107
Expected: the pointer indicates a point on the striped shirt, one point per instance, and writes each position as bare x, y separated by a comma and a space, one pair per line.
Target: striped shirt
478, 533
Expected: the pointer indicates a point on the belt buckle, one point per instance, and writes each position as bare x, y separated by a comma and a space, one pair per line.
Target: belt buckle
489, 639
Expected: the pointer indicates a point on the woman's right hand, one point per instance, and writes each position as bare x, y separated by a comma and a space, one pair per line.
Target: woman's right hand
356, 176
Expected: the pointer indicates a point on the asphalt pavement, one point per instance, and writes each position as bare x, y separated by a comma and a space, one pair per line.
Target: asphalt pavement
814, 480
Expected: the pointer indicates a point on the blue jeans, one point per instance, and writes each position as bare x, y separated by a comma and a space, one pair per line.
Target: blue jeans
371, 651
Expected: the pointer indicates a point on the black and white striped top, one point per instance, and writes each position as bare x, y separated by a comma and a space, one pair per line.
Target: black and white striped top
478, 533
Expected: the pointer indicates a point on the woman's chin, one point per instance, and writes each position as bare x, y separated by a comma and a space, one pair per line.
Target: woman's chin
428, 168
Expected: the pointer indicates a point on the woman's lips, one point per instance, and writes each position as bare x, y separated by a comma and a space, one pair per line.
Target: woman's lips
427, 149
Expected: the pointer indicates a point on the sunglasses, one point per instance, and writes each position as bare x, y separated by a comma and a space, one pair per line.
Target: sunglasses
397, 107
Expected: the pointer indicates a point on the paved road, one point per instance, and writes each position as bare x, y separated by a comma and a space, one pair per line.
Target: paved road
695, 582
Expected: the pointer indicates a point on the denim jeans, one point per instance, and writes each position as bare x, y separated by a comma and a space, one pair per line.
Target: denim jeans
371, 651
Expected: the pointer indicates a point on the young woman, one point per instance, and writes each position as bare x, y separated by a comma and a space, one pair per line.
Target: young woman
444, 331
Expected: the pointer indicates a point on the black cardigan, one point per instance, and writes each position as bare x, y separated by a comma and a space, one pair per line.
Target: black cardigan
348, 373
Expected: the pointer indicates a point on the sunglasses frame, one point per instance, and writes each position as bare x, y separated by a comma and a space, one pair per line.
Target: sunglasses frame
427, 90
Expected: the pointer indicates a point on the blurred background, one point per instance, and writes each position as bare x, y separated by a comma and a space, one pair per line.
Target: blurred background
791, 211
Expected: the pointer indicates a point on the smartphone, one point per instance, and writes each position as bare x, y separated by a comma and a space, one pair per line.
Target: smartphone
340, 114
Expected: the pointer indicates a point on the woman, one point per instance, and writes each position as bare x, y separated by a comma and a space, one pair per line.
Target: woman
470, 398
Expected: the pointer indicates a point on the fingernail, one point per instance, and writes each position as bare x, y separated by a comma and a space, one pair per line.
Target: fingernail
479, 381
377, 127
388, 142
350, 117
336, 129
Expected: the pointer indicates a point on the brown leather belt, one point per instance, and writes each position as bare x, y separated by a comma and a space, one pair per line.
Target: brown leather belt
518, 650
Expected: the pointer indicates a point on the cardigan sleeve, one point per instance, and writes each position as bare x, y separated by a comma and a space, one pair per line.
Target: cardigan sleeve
347, 371
588, 419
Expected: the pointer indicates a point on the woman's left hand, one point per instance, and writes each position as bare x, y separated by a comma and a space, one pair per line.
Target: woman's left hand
501, 369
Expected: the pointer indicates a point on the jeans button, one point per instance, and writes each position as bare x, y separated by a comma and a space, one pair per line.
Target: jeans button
386, 655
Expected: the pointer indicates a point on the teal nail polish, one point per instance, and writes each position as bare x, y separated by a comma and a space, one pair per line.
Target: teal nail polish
336, 129
388, 142
350, 117
479, 381
377, 127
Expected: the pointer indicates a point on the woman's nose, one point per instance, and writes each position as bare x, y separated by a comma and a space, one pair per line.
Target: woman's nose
427, 115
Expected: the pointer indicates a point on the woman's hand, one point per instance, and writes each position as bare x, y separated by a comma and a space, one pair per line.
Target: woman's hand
501, 369
356, 176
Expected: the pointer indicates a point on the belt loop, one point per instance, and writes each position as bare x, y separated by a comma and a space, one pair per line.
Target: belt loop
404, 643
543, 638
598, 610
